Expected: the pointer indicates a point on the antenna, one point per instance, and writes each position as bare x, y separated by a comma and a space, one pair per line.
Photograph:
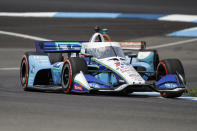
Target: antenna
97, 29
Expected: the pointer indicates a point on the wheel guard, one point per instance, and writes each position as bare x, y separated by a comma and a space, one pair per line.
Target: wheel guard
170, 83
83, 83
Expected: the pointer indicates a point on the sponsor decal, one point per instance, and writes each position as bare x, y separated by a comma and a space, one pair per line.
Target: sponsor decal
42, 61
133, 45
32, 69
122, 65
127, 69
58, 65
78, 87
133, 75
126, 64
170, 85
117, 64
36, 57
68, 45
107, 66
121, 81
94, 85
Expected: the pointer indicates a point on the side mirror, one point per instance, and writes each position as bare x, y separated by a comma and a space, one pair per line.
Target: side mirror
132, 56
89, 56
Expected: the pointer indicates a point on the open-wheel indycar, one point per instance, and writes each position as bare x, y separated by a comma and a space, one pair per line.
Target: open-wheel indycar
100, 65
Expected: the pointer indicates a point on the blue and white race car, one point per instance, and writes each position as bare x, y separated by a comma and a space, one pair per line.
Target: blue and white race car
100, 65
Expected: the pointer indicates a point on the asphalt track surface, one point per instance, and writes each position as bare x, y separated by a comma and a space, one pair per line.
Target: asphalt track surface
29, 111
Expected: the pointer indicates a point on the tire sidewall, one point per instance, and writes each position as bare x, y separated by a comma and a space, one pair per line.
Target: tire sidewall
170, 66
75, 65
24, 62
25, 59
67, 87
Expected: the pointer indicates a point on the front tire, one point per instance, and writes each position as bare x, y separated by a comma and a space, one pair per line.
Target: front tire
71, 67
170, 66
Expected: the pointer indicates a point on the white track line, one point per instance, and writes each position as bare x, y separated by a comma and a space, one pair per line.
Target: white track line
9, 69
188, 98
172, 44
179, 17
157, 95
23, 36
28, 14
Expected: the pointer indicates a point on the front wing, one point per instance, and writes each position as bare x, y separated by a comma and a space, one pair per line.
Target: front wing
84, 83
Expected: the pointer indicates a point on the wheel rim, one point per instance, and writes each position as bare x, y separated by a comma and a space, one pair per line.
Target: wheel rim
161, 71
66, 76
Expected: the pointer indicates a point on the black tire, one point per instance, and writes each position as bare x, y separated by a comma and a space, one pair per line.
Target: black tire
71, 67
170, 66
156, 59
24, 69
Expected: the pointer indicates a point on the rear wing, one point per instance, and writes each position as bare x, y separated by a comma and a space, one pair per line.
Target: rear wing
75, 47
133, 45
58, 47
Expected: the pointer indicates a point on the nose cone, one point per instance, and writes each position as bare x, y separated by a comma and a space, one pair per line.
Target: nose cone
125, 70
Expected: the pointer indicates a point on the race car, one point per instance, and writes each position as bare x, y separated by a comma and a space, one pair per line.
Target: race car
100, 65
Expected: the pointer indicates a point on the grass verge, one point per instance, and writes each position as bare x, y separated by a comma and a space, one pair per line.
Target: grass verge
191, 92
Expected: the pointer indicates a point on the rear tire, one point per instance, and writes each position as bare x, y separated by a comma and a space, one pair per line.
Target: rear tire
71, 67
24, 69
24, 72
170, 66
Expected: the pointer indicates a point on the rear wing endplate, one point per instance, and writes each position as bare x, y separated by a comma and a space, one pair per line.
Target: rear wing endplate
133, 45
58, 47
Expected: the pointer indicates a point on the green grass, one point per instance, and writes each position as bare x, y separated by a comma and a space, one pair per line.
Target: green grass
191, 92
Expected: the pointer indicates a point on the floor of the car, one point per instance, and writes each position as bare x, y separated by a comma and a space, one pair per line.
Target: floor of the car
47, 87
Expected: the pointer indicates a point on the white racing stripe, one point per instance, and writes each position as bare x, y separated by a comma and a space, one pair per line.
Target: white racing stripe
23, 36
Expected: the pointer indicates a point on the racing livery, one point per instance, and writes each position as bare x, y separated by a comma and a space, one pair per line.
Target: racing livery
100, 65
